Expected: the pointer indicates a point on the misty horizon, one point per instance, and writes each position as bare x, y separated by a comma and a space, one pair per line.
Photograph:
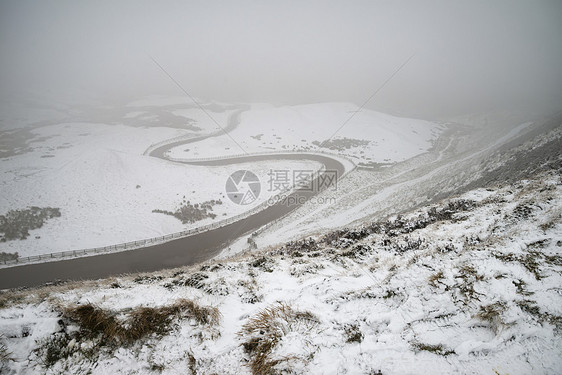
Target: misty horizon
467, 57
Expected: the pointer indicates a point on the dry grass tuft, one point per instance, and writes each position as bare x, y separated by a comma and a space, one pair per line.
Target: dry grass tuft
493, 315
435, 279
531, 261
192, 363
11, 298
5, 355
96, 322
435, 349
265, 330
467, 277
103, 328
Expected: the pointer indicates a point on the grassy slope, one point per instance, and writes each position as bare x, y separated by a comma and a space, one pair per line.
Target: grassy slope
471, 284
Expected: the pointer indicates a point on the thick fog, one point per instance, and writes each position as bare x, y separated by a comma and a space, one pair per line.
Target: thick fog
467, 55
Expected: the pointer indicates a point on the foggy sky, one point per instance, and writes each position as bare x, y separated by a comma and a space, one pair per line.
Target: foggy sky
469, 55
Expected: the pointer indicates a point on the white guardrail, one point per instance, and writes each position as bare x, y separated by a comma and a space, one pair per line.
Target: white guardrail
186, 233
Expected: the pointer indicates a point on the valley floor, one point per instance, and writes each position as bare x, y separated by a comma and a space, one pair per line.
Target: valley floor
95, 169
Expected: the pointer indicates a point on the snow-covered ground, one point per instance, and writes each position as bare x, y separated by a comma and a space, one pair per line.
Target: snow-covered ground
368, 137
469, 285
106, 188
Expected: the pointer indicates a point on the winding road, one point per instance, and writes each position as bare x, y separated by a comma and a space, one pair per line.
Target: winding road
175, 253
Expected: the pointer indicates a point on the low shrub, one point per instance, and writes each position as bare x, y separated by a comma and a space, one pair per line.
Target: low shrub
16, 224
265, 330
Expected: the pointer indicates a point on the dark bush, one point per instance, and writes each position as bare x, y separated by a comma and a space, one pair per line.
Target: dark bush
305, 245
196, 280
190, 213
16, 224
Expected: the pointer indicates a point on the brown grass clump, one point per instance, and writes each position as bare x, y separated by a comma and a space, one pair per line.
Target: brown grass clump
106, 329
265, 330
10, 298
435, 279
493, 315
468, 276
530, 261
96, 322
438, 349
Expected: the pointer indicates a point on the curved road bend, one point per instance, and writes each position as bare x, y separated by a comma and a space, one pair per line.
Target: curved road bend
231, 124
176, 253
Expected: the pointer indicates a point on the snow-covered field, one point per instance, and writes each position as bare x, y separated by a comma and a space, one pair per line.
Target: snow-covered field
368, 137
469, 285
106, 188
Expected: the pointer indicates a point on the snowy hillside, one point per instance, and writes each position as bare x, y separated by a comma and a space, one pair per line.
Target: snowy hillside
368, 137
469, 285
